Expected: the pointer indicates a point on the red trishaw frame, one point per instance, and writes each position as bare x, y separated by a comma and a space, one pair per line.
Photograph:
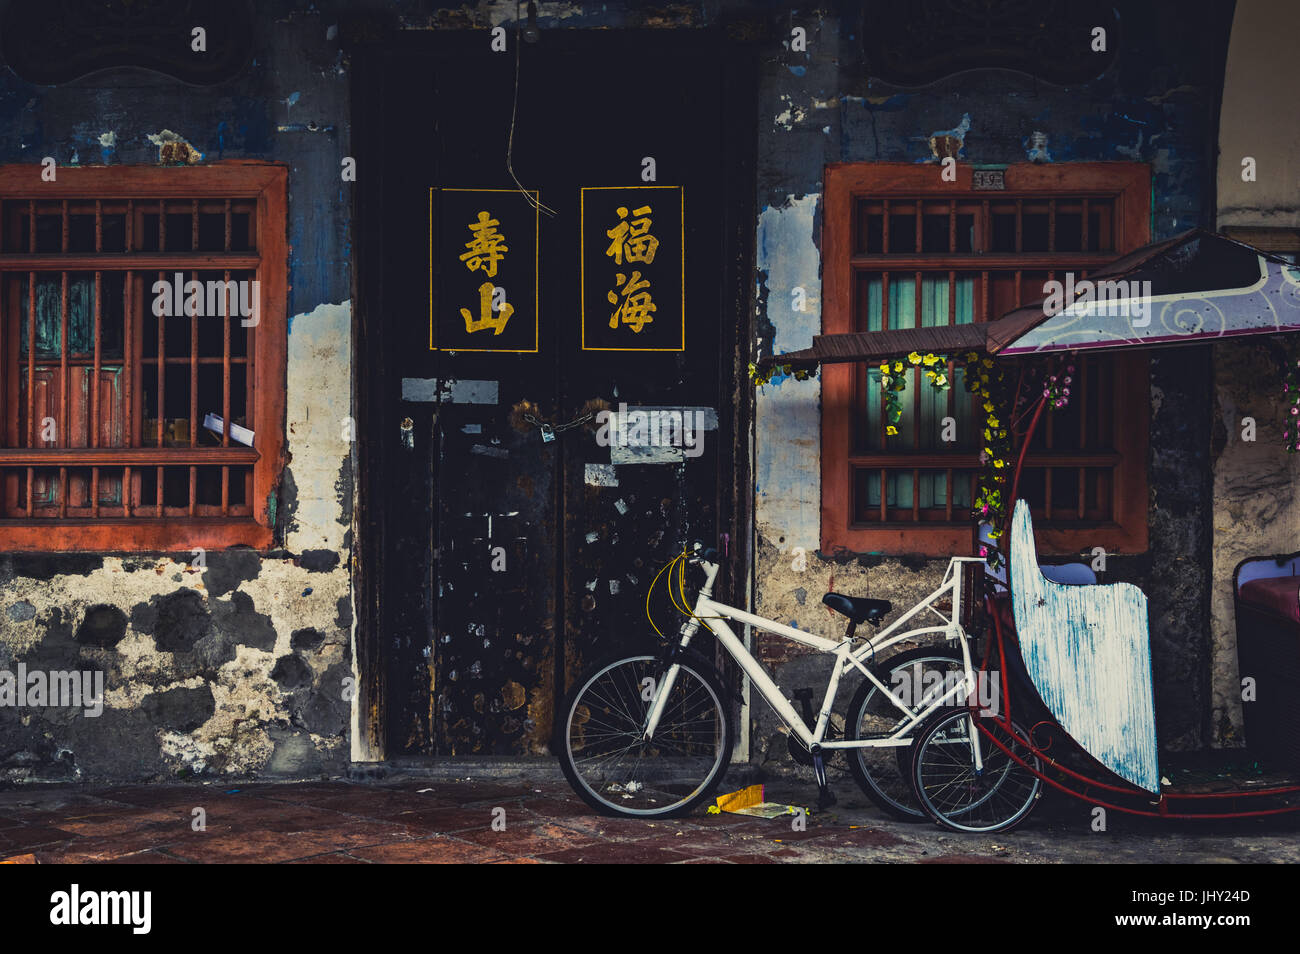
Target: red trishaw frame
1163, 805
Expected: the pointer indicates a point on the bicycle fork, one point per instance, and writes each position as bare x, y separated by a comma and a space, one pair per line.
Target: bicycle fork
665, 686
689, 629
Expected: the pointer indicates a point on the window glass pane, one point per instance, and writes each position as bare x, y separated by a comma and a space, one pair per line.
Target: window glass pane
871, 429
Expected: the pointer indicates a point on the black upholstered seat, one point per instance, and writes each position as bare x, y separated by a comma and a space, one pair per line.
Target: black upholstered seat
858, 608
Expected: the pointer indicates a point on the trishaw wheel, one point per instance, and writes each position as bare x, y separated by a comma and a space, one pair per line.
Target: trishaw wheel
953, 792
884, 773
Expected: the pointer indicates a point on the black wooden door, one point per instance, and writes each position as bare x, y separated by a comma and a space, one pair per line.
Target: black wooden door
517, 551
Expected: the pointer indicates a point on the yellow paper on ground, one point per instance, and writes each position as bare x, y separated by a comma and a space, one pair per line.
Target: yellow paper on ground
749, 801
745, 798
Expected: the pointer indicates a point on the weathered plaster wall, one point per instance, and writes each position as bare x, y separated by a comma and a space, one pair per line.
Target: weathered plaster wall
1152, 105
239, 667
1256, 507
1261, 66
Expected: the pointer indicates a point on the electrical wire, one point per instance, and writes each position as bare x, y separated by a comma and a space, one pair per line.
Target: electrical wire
514, 112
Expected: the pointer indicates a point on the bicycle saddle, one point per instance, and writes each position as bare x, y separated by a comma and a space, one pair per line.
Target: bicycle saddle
858, 608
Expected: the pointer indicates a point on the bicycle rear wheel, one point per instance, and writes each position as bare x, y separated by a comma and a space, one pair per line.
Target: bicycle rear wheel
884, 773
958, 797
610, 763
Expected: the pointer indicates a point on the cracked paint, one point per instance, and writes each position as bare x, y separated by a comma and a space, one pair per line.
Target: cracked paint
317, 413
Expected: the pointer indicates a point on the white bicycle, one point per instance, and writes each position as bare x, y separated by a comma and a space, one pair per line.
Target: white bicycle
651, 735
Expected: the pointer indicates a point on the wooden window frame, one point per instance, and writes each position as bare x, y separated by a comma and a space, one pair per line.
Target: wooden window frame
265, 183
1129, 186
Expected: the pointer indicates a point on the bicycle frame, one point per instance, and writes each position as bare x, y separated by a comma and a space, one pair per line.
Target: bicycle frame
714, 615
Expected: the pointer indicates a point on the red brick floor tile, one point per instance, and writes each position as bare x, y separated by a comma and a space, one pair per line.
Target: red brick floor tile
150, 857
623, 829
548, 807
429, 851
529, 840
707, 861
616, 852
444, 820
382, 804
259, 846
963, 860
332, 858
691, 842
107, 822
858, 838
16, 840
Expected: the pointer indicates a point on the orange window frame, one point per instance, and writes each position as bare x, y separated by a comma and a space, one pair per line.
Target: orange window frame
266, 185
1128, 186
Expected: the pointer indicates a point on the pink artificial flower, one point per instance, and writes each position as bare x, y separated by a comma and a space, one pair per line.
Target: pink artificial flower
984, 551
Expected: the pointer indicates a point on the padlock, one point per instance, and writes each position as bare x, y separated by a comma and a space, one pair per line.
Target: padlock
548, 433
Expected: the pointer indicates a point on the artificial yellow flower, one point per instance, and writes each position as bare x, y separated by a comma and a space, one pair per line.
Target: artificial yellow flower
992, 421
987, 362
884, 366
930, 359
999, 463
988, 407
914, 358
898, 367
891, 431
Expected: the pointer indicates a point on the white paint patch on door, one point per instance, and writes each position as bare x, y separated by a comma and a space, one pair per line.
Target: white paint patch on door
601, 475
425, 390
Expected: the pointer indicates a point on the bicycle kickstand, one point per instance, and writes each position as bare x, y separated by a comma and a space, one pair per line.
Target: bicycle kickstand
825, 797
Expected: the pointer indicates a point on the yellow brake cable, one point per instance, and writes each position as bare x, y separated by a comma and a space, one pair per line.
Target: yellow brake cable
684, 606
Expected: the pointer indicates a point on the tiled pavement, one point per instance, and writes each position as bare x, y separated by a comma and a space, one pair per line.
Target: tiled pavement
414, 819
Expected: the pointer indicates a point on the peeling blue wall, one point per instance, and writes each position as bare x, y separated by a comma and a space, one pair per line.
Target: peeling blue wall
240, 667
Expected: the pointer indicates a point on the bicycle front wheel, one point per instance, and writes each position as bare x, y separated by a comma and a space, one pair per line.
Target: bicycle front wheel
953, 793
610, 763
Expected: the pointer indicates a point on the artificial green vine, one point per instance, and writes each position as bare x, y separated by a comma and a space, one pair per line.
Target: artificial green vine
984, 378
893, 382
760, 377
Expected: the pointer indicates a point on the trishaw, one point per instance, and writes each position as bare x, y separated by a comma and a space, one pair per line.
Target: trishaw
1070, 657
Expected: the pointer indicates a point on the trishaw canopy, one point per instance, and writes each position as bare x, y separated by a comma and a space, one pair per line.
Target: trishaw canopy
1193, 288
